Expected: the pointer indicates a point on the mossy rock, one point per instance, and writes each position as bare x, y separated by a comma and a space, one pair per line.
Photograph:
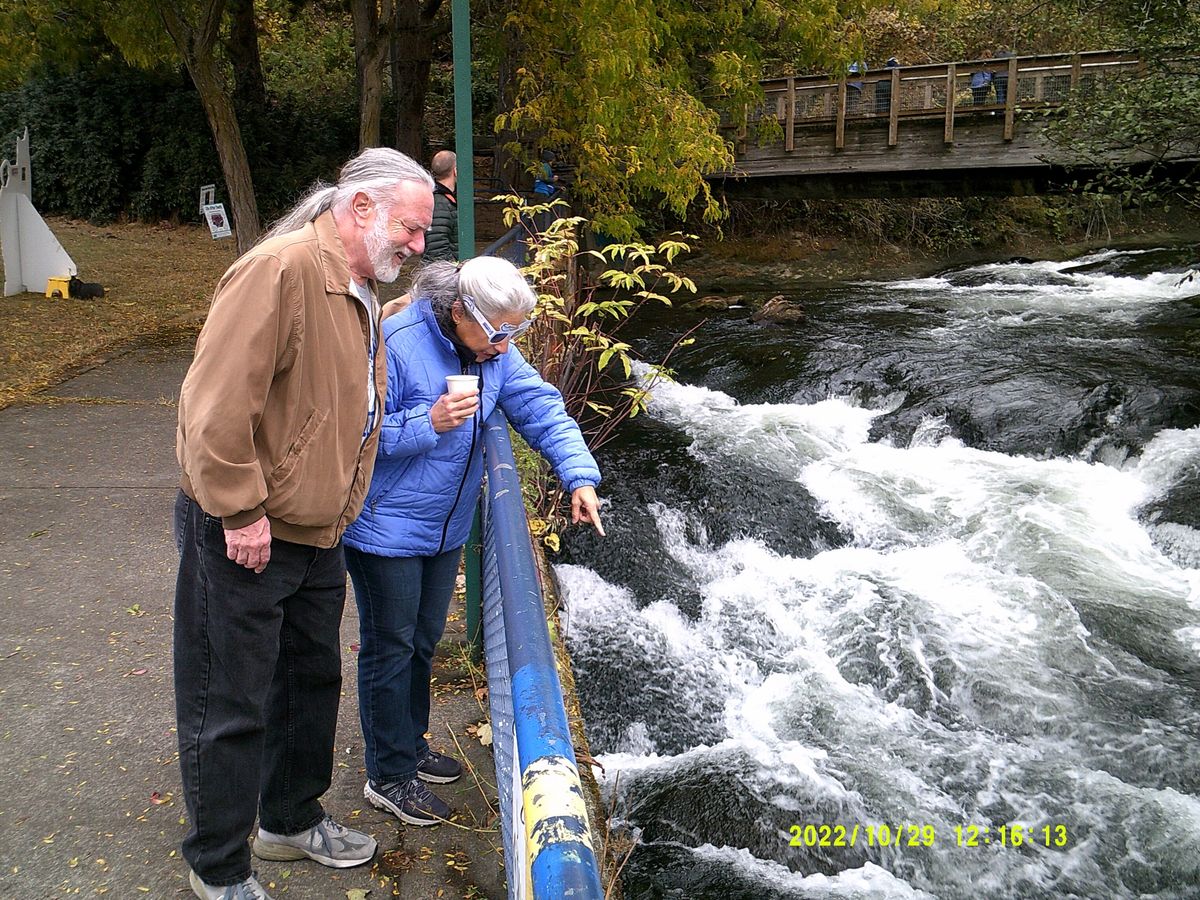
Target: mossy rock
780, 310
713, 301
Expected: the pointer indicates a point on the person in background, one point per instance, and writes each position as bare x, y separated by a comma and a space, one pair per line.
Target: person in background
545, 186
883, 89
279, 418
442, 240
981, 82
854, 87
403, 551
1000, 77
546, 182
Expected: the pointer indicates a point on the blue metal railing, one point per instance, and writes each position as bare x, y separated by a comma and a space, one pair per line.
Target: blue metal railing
513, 245
547, 842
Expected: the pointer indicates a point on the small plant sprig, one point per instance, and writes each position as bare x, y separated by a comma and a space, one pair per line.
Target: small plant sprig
574, 342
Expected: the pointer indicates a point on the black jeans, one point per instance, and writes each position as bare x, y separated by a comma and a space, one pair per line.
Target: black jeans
402, 604
258, 677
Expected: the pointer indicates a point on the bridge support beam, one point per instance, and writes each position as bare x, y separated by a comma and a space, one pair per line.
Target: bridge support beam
948, 131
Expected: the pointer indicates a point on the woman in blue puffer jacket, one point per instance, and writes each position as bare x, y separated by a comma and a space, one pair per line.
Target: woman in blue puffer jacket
403, 550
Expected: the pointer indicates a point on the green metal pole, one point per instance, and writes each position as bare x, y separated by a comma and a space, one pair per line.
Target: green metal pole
464, 142
464, 151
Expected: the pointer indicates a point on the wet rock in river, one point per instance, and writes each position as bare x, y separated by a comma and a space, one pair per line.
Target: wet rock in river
779, 310
713, 301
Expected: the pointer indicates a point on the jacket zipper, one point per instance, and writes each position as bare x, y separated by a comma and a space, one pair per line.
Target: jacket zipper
377, 408
466, 469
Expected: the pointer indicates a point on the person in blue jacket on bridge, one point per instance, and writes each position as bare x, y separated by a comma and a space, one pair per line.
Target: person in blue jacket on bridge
404, 549
981, 82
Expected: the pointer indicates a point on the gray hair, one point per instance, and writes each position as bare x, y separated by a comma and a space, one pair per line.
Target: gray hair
376, 172
496, 285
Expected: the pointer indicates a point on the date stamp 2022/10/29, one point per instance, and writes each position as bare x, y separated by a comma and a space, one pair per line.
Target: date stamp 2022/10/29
1051, 836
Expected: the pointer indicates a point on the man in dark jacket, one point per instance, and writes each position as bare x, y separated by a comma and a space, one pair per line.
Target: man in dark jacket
442, 240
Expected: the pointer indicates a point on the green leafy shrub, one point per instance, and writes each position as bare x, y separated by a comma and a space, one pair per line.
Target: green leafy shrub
179, 159
575, 339
84, 134
114, 141
299, 140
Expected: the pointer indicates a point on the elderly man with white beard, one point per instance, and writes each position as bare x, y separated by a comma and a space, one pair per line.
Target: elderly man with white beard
279, 419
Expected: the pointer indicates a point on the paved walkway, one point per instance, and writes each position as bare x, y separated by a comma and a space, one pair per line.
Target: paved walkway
89, 781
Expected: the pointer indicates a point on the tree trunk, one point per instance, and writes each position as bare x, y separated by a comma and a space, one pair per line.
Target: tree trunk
196, 42
411, 87
222, 119
412, 57
249, 87
507, 166
372, 31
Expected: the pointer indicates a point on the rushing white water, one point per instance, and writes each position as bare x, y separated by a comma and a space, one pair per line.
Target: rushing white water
1002, 642
1048, 287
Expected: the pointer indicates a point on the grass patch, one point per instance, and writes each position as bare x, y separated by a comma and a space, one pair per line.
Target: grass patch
158, 278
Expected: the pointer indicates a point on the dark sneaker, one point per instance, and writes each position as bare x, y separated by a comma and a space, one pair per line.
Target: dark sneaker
410, 801
327, 842
438, 768
249, 889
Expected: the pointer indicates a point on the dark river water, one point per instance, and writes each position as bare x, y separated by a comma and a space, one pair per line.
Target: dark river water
924, 570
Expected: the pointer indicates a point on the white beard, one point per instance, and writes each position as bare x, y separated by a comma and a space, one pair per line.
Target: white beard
380, 250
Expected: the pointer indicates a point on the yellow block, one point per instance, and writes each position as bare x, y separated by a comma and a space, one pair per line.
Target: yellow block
554, 809
58, 287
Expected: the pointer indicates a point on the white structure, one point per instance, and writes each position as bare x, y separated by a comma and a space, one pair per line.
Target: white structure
208, 196
32, 254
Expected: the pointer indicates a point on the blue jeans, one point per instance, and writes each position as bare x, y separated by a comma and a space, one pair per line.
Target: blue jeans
402, 605
258, 677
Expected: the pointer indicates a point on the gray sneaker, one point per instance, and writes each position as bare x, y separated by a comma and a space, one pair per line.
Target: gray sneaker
327, 842
249, 889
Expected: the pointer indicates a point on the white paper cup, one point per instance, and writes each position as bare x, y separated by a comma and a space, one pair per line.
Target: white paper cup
462, 385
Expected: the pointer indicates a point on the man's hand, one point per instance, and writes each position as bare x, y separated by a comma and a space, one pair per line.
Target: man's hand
450, 412
585, 507
250, 545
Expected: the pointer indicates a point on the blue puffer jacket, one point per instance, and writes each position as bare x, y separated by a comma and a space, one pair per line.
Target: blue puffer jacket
426, 484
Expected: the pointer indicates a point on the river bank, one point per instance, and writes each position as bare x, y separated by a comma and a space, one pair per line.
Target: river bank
820, 248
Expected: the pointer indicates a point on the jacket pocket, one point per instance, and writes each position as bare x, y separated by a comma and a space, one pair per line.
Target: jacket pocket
303, 438
306, 487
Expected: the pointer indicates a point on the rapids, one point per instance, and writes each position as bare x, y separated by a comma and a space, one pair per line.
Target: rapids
931, 559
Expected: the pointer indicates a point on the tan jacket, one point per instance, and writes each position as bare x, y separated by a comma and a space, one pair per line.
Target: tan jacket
273, 408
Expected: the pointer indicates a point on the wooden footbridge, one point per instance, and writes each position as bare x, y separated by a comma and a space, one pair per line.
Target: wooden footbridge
916, 130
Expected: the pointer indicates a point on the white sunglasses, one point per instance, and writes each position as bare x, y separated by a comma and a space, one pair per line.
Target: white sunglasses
495, 335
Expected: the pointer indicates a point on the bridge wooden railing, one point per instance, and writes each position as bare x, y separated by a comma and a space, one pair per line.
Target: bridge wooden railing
941, 90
